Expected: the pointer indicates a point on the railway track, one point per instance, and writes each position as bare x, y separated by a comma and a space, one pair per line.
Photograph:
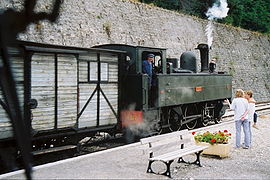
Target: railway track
262, 107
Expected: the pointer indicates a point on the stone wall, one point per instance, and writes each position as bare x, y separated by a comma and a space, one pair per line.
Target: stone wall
85, 23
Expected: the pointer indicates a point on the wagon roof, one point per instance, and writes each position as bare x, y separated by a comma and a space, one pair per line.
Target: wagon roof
41, 47
126, 45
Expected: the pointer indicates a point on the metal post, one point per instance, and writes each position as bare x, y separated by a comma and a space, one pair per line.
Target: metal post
98, 88
27, 91
55, 92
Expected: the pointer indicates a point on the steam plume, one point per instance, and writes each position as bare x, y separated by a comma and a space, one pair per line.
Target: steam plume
219, 10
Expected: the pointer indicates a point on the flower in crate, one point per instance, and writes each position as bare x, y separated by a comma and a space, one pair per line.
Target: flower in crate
220, 137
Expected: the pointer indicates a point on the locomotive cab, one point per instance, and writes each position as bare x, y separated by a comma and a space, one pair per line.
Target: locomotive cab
135, 91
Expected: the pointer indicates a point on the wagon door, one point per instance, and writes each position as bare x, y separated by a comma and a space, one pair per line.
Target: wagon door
98, 90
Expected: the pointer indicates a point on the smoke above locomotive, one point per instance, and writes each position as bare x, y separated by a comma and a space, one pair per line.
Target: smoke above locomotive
219, 10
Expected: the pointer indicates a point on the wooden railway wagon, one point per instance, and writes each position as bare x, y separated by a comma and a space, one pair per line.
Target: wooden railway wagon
72, 91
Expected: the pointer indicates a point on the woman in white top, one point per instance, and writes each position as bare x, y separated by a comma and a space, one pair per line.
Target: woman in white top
251, 108
240, 107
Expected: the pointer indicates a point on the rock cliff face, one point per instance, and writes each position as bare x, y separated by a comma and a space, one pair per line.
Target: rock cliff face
85, 23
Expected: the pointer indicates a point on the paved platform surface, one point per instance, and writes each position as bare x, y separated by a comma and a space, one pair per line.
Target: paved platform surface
130, 162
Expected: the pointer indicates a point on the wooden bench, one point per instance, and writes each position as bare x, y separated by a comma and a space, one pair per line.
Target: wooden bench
167, 147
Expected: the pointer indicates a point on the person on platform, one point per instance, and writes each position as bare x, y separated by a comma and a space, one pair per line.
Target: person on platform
251, 109
240, 107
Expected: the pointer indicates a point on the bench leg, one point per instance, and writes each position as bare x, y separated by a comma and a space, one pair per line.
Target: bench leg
197, 161
149, 169
181, 160
168, 172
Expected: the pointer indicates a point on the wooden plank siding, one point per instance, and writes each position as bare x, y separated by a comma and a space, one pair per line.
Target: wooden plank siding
43, 90
89, 116
67, 91
83, 72
16, 63
106, 114
5, 125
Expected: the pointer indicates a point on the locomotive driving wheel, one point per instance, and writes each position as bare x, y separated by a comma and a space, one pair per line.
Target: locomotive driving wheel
205, 117
204, 121
192, 124
175, 119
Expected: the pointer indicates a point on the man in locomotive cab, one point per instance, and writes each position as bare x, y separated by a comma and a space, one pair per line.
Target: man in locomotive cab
147, 68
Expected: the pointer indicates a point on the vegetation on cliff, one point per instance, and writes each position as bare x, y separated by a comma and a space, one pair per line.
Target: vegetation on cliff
247, 14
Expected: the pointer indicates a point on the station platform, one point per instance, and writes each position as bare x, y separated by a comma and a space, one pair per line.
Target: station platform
130, 161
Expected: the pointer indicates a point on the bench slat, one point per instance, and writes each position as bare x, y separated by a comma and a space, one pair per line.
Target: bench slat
173, 153
169, 144
161, 137
178, 154
185, 153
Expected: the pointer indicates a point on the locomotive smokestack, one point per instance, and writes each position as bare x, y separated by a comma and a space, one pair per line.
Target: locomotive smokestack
204, 51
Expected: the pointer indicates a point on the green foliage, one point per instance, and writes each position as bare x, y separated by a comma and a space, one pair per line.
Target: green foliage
168, 4
248, 14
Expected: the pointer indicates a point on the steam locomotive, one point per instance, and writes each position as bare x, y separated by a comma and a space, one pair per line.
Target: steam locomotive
76, 92
181, 96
